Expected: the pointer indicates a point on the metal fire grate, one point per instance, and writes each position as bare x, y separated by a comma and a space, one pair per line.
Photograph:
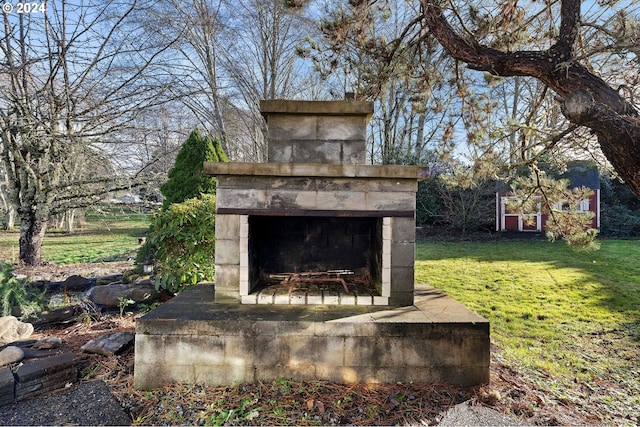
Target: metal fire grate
314, 287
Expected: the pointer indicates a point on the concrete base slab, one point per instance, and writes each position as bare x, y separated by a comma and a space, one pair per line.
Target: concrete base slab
192, 339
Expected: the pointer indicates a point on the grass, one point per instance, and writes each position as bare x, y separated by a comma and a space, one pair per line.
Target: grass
569, 319
105, 235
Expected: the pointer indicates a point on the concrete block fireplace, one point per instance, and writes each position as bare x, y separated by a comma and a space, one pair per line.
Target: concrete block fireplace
314, 260
315, 225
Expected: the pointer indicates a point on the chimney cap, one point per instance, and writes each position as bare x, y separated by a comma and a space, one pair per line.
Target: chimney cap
333, 108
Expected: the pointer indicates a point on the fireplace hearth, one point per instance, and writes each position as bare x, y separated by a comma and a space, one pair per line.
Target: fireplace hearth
314, 260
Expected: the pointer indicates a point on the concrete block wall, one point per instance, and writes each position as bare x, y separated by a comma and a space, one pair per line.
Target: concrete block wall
403, 232
317, 132
227, 344
300, 194
227, 357
227, 257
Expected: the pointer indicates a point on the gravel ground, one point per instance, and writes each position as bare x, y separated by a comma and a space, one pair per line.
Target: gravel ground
85, 404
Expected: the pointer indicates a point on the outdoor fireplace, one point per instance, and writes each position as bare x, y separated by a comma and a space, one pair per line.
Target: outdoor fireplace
315, 225
314, 273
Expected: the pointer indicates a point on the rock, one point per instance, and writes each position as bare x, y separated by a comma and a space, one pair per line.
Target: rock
77, 283
144, 294
467, 414
130, 276
109, 279
52, 286
11, 354
7, 386
109, 344
59, 315
146, 281
48, 343
36, 349
112, 295
41, 284
11, 329
45, 374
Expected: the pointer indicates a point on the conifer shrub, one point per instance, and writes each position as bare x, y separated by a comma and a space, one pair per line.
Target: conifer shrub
181, 239
17, 295
186, 179
181, 244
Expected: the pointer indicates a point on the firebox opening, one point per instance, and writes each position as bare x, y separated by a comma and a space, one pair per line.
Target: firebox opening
330, 253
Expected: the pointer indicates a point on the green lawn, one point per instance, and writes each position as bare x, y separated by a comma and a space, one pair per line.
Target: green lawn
108, 235
569, 320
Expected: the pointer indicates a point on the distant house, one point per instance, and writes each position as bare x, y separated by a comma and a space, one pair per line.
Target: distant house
579, 174
129, 198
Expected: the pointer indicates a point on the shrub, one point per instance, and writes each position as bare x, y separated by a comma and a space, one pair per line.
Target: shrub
618, 221
181, 243
186, 179
620, 210
15, 293
428, 202
466, 201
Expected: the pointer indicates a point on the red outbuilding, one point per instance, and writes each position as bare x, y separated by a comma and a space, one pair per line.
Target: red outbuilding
578, 173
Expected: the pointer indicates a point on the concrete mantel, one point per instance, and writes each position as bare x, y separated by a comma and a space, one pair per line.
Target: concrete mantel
320, 170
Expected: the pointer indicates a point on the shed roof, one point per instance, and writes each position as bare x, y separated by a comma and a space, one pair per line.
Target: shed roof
579, 173
582, 174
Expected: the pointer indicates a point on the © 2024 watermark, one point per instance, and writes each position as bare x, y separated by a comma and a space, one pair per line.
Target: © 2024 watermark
34, 7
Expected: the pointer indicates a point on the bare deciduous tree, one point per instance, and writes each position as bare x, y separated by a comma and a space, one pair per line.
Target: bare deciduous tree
71, 77
229, 56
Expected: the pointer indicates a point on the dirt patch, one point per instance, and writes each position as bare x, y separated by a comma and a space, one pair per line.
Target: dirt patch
56, 273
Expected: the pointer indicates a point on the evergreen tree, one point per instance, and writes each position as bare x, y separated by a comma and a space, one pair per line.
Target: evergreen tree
186, 179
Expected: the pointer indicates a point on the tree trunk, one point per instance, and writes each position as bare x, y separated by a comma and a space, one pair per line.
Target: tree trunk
618, 135
10, 218
32, 229
70, 217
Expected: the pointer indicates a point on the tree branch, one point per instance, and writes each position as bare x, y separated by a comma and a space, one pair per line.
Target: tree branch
569, 28
560, 74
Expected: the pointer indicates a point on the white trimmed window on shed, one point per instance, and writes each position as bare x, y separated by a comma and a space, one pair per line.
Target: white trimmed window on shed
582, 206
